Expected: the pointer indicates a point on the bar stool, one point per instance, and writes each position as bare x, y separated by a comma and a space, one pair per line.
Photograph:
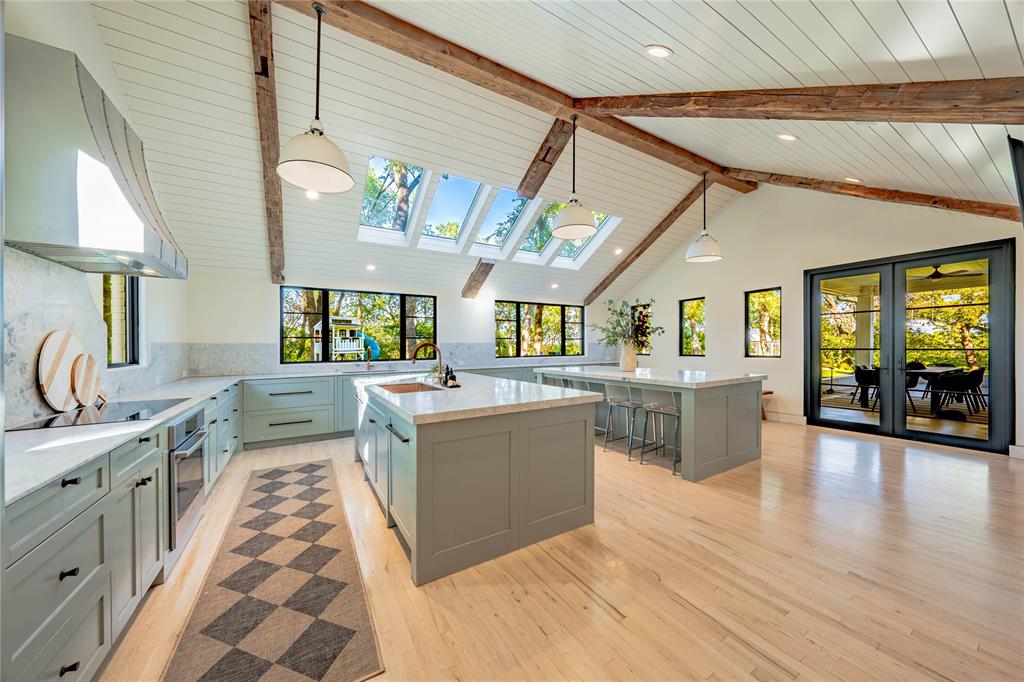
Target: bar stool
661, 404
584, 385
617, 396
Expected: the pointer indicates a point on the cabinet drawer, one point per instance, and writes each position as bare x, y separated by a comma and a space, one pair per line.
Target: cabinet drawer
125, 460
306, 421
81, 645
39, 515
45, 584
274, 394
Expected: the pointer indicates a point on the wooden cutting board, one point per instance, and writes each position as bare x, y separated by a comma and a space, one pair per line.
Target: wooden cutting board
56, 358
85, 379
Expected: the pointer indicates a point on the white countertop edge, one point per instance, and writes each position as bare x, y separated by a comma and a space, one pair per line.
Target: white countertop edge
615, 374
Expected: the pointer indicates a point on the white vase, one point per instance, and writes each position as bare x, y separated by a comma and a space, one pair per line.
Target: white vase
627, 358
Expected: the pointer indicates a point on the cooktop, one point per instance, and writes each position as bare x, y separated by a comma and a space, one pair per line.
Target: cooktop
107, 413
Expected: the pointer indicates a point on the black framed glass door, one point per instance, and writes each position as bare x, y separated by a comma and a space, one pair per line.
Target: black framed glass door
917, 346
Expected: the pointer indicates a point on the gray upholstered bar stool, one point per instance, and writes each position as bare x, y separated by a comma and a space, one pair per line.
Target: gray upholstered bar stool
617, 396
661, 405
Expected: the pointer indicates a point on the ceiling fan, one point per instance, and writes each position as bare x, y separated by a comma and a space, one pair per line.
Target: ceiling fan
937, 274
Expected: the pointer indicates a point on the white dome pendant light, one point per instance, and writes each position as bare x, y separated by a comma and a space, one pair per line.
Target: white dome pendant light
574, 220
705, 248
309, 160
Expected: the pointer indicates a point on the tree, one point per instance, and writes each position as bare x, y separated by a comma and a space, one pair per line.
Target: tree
539, 235
387, 199
764, 323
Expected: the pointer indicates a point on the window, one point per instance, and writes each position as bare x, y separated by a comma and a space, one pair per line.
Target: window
572, 248
121, 314
390, 193
534, 329
540, 233
502, 217
450, 207
691, 327
764, 323
361, 325
642, 327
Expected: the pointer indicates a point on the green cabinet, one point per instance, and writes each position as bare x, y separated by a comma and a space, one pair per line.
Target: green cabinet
211, 460
346, 414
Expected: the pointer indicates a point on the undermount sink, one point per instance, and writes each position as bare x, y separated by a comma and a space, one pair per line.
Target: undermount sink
411, 387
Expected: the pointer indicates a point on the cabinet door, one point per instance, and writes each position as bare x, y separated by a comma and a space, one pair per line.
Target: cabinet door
211, 461
346, 405
123, 552
151, 506
381, 478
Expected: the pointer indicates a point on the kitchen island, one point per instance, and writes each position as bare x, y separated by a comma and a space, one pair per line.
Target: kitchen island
720, 423
467, 474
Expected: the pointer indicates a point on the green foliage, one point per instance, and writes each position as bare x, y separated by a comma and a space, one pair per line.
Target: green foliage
390, 188
540, 233
540, 329
623, 326
449, 230
764, 323
691, 321
501, 230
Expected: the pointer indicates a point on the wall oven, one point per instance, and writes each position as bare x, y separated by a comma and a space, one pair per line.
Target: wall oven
187, 438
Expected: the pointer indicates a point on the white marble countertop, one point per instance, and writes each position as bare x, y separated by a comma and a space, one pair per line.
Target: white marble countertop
479, 396
682, 378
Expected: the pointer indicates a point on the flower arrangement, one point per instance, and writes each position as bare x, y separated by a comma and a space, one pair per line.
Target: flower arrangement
629, 327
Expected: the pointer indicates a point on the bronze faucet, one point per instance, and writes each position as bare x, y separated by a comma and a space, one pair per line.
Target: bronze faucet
437, 351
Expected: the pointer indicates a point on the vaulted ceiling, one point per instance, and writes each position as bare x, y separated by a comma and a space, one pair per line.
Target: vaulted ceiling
187, 72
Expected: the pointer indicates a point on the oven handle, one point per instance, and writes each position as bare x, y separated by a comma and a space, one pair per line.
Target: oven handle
200, 437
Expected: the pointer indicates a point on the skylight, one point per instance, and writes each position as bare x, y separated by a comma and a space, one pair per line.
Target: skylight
390, 193
571, 249
540, 233
502, 217
452, 202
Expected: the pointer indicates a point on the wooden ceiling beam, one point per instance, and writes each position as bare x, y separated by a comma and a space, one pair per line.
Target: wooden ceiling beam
262, 37
477, 278
982, 208
661, 228
992, 100
545, 158
386, 30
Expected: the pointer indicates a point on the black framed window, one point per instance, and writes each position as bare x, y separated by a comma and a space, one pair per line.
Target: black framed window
121, 315
691, 327
536, 329
763, 322
642, 314
337, 325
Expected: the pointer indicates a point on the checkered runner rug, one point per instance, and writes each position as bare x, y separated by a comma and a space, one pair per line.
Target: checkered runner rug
284, 599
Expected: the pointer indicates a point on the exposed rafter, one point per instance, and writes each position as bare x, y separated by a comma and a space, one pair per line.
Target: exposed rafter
477, 278
545, 158
661, 228
381, 28
982, 208
262, 37
993, 100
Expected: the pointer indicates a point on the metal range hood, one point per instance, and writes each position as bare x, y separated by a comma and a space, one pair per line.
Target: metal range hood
77, 191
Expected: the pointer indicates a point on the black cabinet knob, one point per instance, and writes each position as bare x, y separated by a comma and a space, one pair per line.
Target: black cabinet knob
72, 573
145, 439
143, 481
65, 482
65, 669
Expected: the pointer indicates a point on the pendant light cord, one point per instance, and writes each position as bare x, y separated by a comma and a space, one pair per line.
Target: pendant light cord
704, 199
574, 117
319, 18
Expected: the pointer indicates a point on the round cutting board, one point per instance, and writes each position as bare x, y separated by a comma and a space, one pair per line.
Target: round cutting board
60, 348
85, 379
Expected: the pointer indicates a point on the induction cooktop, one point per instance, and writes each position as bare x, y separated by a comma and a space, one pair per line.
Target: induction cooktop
107, 413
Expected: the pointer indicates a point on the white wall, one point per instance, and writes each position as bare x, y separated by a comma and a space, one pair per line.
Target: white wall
768, 238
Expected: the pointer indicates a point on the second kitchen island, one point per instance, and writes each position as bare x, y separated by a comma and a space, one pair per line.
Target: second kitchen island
467, 474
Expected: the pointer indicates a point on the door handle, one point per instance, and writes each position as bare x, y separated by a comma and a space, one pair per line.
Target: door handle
65, 669
300, 421
65, 482
290, 393
143, 481
72, 573
145, 439
396, 434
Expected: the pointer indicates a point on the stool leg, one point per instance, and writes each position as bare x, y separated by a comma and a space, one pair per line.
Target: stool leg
630, 431
643, 437
607, 426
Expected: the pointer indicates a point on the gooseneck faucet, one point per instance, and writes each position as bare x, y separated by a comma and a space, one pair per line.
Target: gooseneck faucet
437, 351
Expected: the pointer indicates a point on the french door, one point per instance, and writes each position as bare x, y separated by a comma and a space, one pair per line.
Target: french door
917, 346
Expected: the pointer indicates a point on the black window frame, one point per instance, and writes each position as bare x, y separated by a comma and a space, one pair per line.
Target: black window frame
132, 316
519, 329
746, 321
632, 319
324, 313
682, 318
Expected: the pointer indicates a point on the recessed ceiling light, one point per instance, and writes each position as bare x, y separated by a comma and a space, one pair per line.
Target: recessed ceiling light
555, 285
852, 179
371, 267
618, 251
312, 194
786, 137
659, 51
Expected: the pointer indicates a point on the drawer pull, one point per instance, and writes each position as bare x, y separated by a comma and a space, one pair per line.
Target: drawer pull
396, 434
73, 573
65, 669
371, 420
301, 421
274, 395
145, 439
143, 481
235, 410
225, 449
213, 423
65, 482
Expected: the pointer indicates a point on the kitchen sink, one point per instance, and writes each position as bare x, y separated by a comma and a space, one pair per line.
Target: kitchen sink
411, 387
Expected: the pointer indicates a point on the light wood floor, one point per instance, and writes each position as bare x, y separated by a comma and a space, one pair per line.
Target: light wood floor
837, 556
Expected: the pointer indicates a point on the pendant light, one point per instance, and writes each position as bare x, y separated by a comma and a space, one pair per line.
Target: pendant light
574, 220
705, 248
310, 160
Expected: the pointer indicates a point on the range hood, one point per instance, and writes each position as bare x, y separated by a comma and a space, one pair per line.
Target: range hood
77, 190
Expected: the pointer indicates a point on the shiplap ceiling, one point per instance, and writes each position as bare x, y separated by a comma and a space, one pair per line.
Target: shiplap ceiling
589, 48
186, 70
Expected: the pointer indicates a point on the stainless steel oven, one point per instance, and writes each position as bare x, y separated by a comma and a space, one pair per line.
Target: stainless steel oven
186, 465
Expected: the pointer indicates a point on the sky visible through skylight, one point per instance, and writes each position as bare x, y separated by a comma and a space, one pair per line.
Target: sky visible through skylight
501, 218
450, 206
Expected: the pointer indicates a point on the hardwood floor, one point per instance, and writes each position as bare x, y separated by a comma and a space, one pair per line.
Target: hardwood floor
837, 556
